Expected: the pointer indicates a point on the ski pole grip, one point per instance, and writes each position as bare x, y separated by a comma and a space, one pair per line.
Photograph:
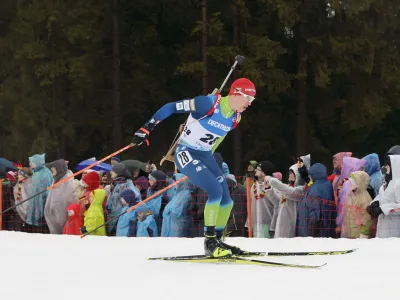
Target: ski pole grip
239, 58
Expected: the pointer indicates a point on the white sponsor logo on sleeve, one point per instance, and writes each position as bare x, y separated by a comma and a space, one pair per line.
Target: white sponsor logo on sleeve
179, 106
192, 105
186, 105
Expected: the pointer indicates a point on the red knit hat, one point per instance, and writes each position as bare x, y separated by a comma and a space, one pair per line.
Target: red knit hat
243, 85
92, 179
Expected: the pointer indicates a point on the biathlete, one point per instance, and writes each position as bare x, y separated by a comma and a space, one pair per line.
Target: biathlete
211, 118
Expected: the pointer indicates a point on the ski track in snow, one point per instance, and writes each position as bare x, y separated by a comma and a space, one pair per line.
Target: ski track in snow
54, 267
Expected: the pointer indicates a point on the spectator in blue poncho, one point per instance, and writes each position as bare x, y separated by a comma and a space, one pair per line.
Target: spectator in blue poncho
146, 224
157, 181
42, 178
176, 216
129, 198
120, 182
170, 193
316, 211
373, 169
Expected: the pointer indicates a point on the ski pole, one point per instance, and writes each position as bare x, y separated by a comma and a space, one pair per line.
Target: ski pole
238, 60
69, 177
135, 206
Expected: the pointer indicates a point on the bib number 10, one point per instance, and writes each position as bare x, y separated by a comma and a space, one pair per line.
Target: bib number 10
209, 139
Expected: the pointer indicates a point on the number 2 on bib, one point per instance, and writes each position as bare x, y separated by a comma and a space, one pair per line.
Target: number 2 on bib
184, 158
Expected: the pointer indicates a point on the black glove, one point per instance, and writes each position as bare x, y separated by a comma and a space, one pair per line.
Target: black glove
143, 133
304, 174
374, 210
83, 230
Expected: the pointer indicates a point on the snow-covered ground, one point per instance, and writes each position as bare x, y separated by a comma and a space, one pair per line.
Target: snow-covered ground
42, 267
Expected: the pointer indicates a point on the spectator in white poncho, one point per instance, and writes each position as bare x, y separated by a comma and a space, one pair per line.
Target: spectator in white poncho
264, 203
59, 197
22, 191
291, 195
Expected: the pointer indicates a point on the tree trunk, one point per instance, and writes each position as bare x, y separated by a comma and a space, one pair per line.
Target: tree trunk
301, 117
204, 45
237, 133
117, 131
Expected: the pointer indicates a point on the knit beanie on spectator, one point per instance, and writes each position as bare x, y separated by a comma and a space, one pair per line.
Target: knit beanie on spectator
92, 180
121, 170
157, 175
253, 163
142, 208
115, 158
143, 182
129, 196
267, 167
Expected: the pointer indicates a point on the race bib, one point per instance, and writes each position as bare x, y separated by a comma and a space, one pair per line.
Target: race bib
184, 158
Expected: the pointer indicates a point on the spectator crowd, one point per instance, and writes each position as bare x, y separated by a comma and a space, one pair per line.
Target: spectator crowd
360, 198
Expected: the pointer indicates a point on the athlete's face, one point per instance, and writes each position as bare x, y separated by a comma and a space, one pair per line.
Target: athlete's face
239, 102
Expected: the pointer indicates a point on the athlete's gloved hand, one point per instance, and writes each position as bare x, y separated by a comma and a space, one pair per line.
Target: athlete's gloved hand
143, 133
140, 137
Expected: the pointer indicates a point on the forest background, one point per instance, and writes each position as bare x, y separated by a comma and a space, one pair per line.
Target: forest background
79, 77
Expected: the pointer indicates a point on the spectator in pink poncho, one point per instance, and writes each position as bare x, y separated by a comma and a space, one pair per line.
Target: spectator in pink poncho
337, 168
350, 164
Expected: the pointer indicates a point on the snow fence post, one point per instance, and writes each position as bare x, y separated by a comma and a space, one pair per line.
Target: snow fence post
249, 215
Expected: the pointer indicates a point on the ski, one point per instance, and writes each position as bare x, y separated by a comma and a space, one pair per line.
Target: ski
241, 261
199, 256
339, 252
252, 254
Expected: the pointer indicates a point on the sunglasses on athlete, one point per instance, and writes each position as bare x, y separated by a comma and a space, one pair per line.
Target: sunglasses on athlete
248, 98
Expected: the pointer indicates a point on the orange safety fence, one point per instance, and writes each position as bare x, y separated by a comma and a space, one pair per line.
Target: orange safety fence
246, 218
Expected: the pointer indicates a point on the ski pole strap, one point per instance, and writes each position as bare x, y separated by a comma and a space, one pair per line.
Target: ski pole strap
217, 101
145, 130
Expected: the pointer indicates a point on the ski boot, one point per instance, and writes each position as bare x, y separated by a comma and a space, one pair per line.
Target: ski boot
234, 250
212, 247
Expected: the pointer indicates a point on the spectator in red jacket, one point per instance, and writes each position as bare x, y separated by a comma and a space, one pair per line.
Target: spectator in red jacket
74, 222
